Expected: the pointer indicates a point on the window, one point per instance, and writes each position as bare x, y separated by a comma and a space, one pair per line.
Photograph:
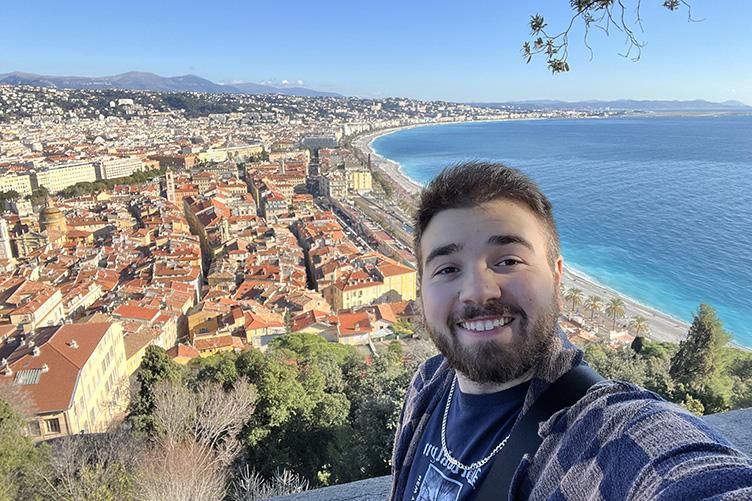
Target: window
34, 429
52, 425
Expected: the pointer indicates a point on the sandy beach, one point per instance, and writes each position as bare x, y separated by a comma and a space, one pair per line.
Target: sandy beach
392, 168
663, 327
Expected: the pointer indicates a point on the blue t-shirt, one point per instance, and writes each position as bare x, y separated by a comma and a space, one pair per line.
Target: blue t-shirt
475, 426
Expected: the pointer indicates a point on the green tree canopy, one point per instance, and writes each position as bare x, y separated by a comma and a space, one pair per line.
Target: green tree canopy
593, 304
17, 452
615, 309
574, 295
639, 325
155, 367
696, 361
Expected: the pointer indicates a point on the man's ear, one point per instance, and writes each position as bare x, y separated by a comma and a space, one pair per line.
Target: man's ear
558, 271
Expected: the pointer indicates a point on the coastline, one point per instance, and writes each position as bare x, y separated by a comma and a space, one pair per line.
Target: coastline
663, 327
390, 167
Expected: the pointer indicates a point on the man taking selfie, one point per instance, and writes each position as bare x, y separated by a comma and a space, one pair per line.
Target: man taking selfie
509, 409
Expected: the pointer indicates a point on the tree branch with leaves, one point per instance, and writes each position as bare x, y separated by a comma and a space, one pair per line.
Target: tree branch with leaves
604, 15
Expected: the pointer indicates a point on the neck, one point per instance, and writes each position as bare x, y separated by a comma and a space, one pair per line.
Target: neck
476, 388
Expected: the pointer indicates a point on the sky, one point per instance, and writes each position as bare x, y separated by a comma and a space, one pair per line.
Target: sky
457, 51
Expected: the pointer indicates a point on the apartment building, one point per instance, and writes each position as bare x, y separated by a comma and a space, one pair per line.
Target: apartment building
380, 281
73, 377
58, 177
359, 180
20, 183
118, 167
34, 305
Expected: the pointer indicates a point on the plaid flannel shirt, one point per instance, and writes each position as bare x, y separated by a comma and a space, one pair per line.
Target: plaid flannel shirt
619, 441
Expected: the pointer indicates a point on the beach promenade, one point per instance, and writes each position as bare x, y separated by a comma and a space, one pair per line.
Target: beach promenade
663, 327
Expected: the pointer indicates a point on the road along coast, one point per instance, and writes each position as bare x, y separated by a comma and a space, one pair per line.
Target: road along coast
663, 327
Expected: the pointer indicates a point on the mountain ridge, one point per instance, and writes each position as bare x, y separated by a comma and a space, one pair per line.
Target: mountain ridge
141, 80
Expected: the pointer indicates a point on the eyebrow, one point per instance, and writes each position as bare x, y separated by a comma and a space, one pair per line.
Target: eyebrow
444, 250
510, 239
499, 240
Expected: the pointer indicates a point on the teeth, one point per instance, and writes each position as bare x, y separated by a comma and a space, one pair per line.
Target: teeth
485, 325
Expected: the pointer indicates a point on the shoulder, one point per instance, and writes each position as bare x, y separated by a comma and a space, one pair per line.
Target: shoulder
428, 378
429, 370
617, 410
632, 440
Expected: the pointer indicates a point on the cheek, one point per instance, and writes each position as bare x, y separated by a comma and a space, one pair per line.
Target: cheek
527, 292
437, 301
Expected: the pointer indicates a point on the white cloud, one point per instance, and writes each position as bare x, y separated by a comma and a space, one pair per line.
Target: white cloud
285, 82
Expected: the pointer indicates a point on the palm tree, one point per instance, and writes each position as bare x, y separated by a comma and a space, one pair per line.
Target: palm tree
639, 325
593, 304
575, 295
615, 309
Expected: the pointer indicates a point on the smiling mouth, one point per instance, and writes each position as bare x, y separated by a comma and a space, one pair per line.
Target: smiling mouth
484, 325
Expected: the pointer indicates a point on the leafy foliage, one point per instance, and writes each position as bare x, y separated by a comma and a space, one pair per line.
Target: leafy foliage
601, 14
384, 182
155, 367
615, 309
593, 304
38, 196
87, 188
311, 413
195, 106
403, 328
697, 359
701, 373
17, 453
574, 295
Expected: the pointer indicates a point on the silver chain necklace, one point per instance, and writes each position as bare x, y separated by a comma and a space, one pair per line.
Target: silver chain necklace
445, 450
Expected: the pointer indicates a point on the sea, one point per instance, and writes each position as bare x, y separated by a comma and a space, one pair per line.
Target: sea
658, 208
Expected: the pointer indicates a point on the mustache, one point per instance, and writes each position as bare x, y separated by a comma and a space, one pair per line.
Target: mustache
491, 308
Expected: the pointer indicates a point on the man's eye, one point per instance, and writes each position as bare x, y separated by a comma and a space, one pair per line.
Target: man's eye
446, 270
508, 262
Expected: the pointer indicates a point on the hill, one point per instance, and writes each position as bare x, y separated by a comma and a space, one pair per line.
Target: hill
135, 80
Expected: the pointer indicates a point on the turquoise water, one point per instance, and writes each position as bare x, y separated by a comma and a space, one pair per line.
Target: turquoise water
659, 209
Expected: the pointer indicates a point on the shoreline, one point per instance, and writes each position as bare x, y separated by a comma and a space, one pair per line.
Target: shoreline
363, 143
663, 327
393, 169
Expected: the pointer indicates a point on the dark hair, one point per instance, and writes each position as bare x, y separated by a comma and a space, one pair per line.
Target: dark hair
469, 184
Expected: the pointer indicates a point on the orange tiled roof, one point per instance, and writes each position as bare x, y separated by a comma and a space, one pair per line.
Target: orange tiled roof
354, 324
132, 310
55, 388
183, 351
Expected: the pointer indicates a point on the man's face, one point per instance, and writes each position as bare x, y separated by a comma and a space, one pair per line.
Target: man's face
490, 295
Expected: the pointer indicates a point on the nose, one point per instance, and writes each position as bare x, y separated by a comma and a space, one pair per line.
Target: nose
479, 286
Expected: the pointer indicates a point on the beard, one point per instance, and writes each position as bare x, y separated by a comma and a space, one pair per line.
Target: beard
487, 361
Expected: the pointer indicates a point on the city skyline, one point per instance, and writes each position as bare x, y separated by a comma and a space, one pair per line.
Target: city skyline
441, 53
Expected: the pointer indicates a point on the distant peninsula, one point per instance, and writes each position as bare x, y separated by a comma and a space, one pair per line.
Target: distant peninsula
696, 105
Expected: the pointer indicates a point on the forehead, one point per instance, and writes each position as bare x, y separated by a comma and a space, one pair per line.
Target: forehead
473, 225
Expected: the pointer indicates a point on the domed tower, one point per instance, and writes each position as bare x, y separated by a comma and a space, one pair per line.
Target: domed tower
52, 219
